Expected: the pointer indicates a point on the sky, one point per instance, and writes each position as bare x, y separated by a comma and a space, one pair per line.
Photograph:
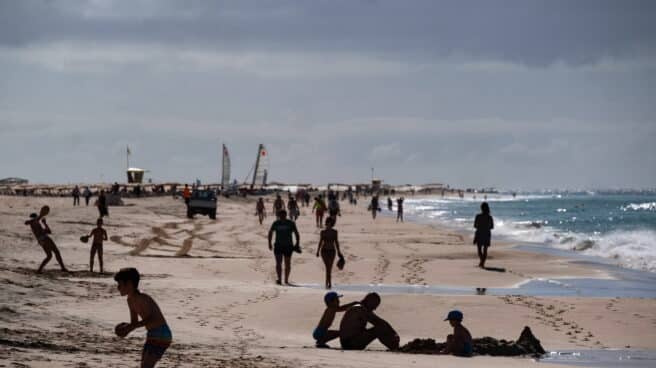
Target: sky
512, 94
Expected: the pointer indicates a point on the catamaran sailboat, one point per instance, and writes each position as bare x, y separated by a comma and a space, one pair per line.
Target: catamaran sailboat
260, 170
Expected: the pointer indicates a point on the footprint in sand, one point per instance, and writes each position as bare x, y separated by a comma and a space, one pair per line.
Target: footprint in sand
186, 247
141, 246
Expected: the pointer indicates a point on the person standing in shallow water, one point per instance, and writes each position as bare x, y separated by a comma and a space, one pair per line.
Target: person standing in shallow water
484, 223
399, 209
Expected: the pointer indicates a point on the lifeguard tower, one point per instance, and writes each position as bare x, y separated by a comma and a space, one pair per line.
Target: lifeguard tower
135, 175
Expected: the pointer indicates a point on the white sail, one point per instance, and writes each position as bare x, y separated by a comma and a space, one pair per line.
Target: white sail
261, 167
225, 172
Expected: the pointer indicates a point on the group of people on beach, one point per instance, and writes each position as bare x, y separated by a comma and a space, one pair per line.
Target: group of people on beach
353, 333
328, 247
285, 229
42, 231
159, 335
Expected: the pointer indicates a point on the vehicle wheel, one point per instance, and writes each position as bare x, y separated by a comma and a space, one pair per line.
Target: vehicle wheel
190, 214
213, 215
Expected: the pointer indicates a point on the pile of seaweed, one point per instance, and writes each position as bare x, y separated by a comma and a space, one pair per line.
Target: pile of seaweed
526, 344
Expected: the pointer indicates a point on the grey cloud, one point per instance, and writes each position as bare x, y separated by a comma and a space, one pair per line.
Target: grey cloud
535, 33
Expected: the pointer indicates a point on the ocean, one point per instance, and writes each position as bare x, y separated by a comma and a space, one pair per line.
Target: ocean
621, 227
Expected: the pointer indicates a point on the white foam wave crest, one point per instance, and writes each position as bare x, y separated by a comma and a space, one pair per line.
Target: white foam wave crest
633, 249
646, 206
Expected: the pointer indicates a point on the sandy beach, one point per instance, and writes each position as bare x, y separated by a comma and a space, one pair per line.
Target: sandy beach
214, 281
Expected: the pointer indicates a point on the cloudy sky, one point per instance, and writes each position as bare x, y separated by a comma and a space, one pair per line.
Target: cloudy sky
511, 94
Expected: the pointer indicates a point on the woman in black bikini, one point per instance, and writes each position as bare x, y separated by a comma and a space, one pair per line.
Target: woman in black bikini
328, 248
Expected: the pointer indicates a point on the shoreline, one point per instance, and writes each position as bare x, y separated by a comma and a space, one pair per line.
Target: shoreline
600, 244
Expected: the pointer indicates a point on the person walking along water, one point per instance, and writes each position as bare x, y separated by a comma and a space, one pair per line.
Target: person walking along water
483, 223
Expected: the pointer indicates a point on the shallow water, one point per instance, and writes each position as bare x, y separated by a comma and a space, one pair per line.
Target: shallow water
625, 283
620, 227
602, 358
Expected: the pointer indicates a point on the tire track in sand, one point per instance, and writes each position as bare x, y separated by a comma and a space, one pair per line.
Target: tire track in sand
382, 266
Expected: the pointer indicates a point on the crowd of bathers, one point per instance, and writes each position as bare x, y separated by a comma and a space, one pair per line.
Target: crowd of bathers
353, 333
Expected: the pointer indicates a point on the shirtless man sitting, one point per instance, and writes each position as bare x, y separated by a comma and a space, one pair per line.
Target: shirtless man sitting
353, 331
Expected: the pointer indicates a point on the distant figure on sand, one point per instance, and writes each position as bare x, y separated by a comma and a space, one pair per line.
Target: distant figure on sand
159, 335
284, 246
278, 206
334, 210
102, 204
374, 207
328, 248
48, 245
260, 210
186, 194
399, 209
483, 223
319, 208
99, 236
321, 333
353, 331
460, 342
76, 196
87, 195
389, 203
292, 207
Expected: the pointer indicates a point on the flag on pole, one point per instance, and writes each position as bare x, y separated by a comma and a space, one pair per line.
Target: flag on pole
129, 150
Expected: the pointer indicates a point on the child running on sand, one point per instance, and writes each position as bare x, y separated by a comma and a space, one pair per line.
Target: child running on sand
99, 235
159, 336
41, 234
321, 333
460, 342
329, 247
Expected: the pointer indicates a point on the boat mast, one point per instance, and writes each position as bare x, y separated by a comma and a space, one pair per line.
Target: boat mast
257, 165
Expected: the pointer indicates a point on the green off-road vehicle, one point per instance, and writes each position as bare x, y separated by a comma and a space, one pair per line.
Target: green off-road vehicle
202, 202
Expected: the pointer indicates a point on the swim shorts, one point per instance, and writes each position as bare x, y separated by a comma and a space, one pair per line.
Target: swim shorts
285, 251
319, 333
158, 340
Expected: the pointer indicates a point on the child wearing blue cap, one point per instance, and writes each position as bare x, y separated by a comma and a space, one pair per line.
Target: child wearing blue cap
321, 333
460, 342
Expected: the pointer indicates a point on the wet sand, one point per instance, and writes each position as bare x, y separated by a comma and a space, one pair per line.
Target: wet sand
214, 281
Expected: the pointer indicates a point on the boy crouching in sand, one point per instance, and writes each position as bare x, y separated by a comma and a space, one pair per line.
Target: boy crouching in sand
321, 334
99, 235
141, 305
460, 342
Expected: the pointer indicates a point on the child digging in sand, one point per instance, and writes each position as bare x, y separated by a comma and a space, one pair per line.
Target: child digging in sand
141, 305
460, 342
322, 334
99, 235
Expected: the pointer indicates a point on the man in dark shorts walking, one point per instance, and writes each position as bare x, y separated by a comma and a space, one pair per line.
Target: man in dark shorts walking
284, 246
